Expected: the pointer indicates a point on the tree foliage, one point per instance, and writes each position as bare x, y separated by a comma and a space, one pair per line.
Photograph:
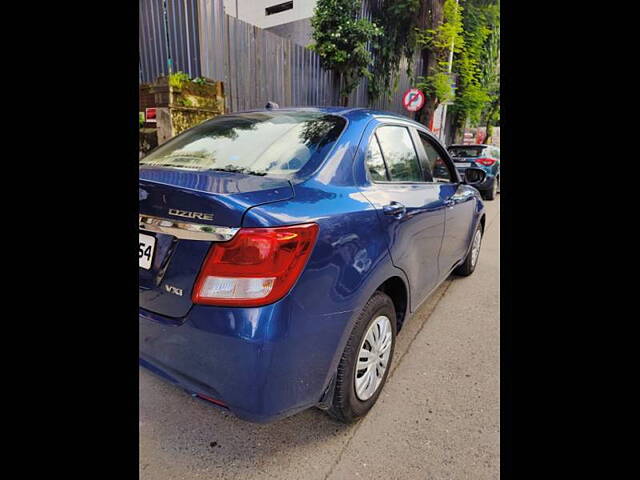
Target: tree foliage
398, 19
439, 41
341, 40
354, 48
490, 74
477, 63
449, 33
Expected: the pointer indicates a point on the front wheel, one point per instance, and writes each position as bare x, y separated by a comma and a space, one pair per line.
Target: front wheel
470, 262
366, 360
493, 191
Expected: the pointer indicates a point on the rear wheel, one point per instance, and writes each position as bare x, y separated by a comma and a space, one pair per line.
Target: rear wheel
366, 359
471, 260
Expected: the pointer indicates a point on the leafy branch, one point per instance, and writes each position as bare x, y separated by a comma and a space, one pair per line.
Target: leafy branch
341, 40
477, 63
440, 41
398, 19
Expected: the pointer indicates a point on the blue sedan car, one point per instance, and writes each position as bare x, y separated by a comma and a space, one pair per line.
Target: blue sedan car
281, 252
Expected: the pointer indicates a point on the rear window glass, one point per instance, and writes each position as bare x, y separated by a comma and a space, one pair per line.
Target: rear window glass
468, 152
278, 143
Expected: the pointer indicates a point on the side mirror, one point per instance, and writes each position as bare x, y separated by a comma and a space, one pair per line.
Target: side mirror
474, 176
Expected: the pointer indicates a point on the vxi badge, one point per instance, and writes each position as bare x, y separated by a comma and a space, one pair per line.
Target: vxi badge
184, 213
174, 290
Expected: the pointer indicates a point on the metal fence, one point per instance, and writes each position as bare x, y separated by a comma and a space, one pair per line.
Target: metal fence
262, 66
213, 38
174, 37
255, 65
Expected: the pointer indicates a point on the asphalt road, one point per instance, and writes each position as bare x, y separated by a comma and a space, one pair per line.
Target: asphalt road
437, 418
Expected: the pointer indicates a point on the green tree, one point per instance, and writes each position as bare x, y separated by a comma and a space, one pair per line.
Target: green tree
490, 74
341, 39
478, 93
443, 33
399, 20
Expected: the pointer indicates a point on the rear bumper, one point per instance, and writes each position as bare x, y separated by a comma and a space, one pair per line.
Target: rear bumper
484, 186
263, 363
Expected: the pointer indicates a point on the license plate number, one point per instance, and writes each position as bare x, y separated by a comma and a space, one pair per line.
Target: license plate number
145, 250
463, 165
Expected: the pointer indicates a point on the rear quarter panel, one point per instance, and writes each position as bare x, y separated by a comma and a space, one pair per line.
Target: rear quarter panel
349, 249
349, 261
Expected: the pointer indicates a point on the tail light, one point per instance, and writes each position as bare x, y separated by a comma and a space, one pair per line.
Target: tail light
487, 162
256, 267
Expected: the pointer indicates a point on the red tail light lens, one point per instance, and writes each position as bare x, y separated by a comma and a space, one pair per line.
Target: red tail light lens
256, 267
487, 162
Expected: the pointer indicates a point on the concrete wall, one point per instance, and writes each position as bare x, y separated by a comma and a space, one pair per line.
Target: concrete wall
253, 11
299, 32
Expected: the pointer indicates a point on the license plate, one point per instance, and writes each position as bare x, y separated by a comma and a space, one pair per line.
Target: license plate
463, 165
145, 250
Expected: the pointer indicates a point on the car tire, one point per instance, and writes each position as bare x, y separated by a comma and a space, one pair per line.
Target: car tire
471, 260
491, 193
347, 405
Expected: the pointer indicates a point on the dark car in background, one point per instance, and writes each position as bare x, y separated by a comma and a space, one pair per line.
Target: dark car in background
486, 157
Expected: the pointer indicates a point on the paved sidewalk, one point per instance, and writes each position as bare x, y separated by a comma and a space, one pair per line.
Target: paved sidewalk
438, 416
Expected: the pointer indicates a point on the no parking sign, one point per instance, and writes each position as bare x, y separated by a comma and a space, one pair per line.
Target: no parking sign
413, 99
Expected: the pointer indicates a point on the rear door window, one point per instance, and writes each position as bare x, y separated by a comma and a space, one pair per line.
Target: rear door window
399, 154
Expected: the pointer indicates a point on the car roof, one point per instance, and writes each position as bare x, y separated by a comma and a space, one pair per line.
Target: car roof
347, 112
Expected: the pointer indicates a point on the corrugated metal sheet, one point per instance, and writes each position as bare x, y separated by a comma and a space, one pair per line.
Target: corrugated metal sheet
213, 38
262, 67
184, 42
180, 35
153, 48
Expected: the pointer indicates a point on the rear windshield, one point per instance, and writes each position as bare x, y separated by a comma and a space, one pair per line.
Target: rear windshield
468, 152
264, 143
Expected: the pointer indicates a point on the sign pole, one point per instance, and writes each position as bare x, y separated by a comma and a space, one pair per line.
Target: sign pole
166, 32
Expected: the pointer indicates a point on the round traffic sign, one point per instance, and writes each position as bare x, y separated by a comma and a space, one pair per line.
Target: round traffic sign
413, 99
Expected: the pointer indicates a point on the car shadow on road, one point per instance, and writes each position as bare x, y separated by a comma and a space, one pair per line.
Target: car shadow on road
180, 433
178, 429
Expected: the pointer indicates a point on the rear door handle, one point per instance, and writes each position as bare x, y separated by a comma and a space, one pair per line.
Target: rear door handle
395, 209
